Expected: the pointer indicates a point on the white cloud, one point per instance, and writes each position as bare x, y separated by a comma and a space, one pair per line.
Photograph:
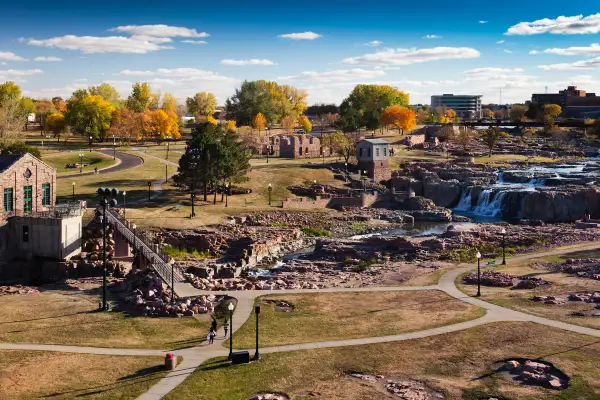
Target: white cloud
500, 42
562, 25
492, 71
108, 44
507, 51
194, 41
592, 49
185, 73
159, 31
578, 65
253, 61
339, 75
483, 22
301, 36
374, 43
431, 37
47, 59
534, 52
8, 56
391, 57
20, 72
2, 63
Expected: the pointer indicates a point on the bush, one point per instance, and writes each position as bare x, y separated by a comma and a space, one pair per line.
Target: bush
316, 232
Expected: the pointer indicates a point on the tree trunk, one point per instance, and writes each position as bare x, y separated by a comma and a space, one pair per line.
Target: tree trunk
205, 188
215, 195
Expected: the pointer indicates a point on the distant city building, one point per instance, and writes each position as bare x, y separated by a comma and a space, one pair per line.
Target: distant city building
466, 106
575, 103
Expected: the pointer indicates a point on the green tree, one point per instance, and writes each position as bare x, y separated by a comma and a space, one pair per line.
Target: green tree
202, 103
107, 92
250, 99
14, 111
491, 137
141, 97
9, 90
343, 144
90, 116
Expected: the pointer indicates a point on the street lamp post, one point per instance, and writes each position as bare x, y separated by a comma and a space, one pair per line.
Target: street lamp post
270, 190
227, 195
346, 166
105, 192
124, 204
173, 283
73, 190
149, 185
257, 312
230, 307
268, 151
478, 255
90, 144
114, 148
503, 246
167, 151
80, 162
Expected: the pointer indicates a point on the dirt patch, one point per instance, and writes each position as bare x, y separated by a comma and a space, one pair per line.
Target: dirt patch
397, 388
532, 372
280, 305
270, 396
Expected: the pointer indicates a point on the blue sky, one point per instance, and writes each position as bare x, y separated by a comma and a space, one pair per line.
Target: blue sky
324, 47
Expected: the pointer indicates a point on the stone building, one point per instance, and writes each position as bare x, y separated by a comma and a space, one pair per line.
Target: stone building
298, 146
372, 156
31, 223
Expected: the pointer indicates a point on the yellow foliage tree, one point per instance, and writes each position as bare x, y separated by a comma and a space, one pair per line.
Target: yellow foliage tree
230, 125
259, 122
56, 123
288, 123
400, 117
211, 120
305, 123
552, 110
169, 103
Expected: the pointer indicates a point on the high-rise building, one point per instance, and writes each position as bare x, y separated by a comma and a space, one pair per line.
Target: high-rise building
571, 96
465, 105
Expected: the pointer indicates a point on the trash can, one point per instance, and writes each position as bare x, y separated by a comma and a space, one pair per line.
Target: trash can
240, 357
170, 361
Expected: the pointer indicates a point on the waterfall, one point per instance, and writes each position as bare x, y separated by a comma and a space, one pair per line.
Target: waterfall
464, 204
489, 203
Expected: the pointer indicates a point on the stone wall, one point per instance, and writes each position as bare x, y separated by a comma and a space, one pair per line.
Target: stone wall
299, 146
413, 140
365, 200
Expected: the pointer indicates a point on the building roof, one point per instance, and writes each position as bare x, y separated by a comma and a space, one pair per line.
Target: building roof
376, 141
7, 160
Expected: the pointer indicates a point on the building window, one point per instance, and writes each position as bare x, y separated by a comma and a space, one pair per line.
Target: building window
28, 203
385, 152
360, 152
369, 152
25, 234
377, 152
8, 200
46, 194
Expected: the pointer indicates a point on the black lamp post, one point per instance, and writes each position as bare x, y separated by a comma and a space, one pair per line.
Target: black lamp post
73, 184
106, 192
230, 307
257, 312
172, 283
194, 157
80, 162
270, 190
90, 144
503, 246
346, 166
167, 151
268, 151
478, 255
114, 148
227, 195
124, 204
149, 185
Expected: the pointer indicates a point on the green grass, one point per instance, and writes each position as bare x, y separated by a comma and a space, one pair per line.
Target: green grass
179, 253
93, 159
315, 232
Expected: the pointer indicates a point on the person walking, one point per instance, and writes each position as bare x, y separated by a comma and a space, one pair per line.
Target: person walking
211, 336
225, 327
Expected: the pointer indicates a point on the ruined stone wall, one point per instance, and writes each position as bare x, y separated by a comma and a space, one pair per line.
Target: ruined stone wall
299, 146
365, 200
413, 140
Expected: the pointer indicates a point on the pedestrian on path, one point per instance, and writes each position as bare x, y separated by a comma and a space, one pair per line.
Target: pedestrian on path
213, 325
225, 327
211, 336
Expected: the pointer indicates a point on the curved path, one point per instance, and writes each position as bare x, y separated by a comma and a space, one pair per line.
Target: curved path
124, 161
193, 357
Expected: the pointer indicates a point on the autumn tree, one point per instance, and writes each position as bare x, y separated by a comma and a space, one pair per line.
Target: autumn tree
304, 122
141, 97
499, 114
89, 115
13, 112
211, 120
169, 104
259, 122
343, 144
517, 113
332, 118
400, 117
491, 137
288, 123
107, 92
551, 112
465, 137
123, 124
56, 123
43, 108
202, 103
487, 113
230, 126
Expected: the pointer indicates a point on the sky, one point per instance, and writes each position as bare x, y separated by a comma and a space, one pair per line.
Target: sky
504, 51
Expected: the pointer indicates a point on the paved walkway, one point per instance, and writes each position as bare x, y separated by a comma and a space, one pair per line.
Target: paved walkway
193, 357
124, 161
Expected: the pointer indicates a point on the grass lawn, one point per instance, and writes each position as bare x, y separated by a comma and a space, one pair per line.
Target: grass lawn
457, 363
134, 181
561, 284
502, 158
70, 318
37, 374
337, 316
93, 160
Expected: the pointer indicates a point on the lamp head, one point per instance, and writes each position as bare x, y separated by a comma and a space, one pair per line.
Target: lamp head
257, 309
230, 307
107, 191
503, 231
270, 185
101, 191
478, 255
114, 192
73, 183
113, 202
124, 193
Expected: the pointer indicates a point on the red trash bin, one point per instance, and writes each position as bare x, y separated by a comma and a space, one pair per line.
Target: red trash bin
170, 361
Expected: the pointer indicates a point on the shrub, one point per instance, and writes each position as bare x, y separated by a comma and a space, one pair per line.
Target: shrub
315, 232
181, 253
20, 148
